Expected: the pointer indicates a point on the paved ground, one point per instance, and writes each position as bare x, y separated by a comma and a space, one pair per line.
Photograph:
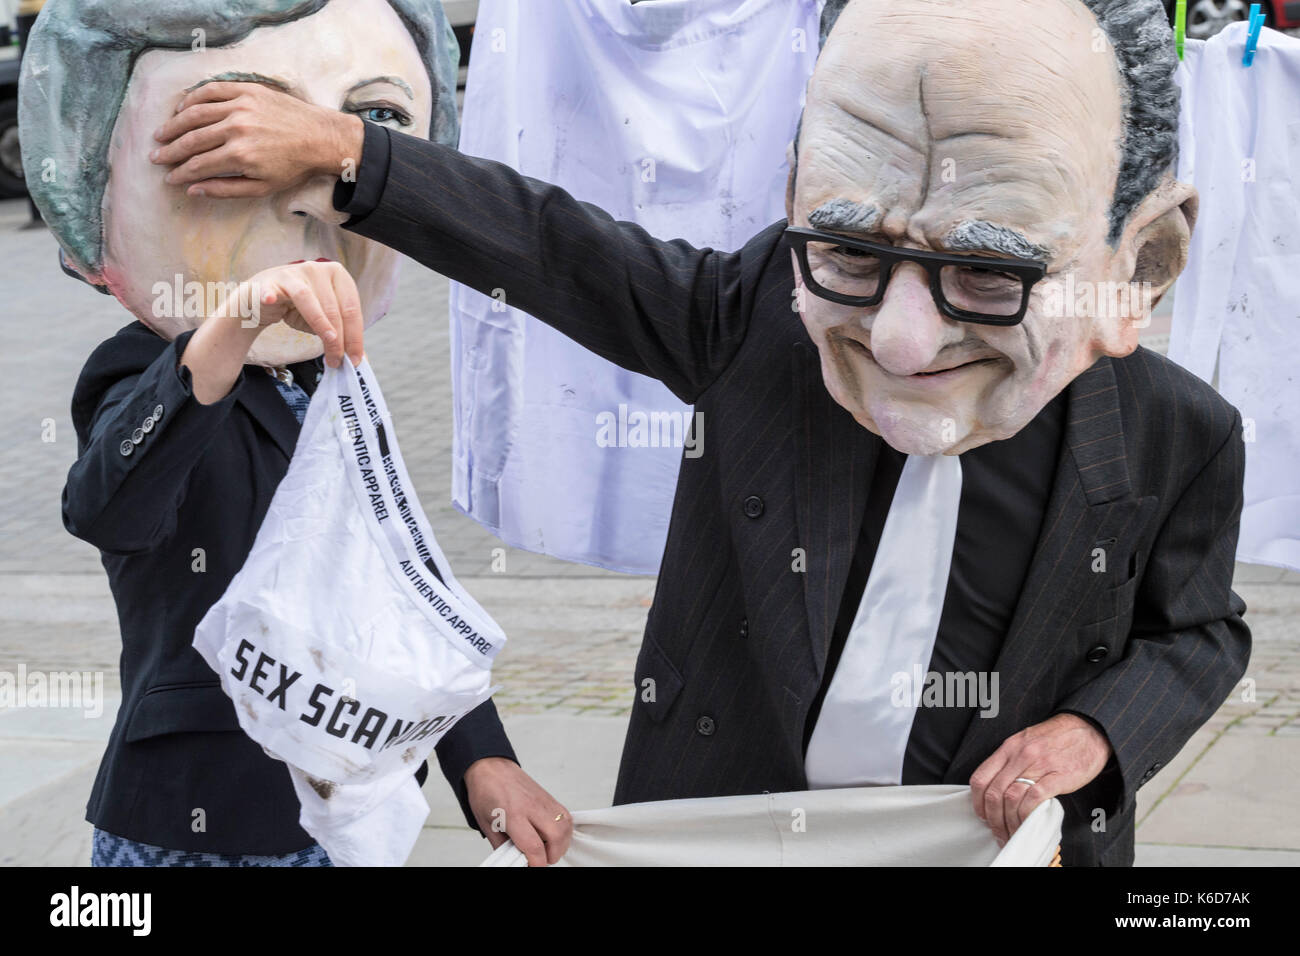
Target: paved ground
566, 674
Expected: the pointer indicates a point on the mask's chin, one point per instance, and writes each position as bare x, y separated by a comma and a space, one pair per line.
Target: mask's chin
912, 433
281, 345
278, 345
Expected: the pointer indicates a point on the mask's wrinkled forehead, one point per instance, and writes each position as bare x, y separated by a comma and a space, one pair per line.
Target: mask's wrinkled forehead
955, 133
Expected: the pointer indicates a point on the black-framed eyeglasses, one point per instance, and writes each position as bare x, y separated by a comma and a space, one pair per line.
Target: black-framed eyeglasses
965, 288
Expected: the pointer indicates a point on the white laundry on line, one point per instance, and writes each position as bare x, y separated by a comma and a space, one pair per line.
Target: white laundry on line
1237, 305
675, 115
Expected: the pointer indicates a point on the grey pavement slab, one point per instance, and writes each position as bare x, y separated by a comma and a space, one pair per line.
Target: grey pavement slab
1153, 854
1243, 792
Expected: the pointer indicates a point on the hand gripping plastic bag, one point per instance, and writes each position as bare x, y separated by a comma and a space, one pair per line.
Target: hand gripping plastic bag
347, 645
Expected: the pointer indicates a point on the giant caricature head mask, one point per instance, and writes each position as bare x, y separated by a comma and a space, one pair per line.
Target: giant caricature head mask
1027, 129
102, 75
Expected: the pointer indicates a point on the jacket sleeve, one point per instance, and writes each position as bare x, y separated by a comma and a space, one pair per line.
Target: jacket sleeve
1189, 645
477, 735
137, 445
660, 308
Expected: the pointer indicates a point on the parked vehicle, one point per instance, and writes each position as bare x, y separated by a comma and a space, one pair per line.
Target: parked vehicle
461, 14
1205, 18
11, 160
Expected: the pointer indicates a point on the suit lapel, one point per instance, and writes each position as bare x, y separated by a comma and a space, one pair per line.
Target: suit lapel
1091, 506
263, 401
832, 479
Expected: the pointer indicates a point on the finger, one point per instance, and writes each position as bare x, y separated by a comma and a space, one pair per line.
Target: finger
192, 118
983, 776
556, 834
222, 162
220, 91
354, 323
305, 302
529, 842
229, 187
1004, 793
494, 838
1048, 785
318, 277
191, 144
1011, 800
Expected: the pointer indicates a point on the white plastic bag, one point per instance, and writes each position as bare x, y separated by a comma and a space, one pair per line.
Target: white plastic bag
345, 642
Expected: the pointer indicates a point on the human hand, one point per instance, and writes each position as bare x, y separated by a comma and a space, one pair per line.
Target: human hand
501, 793
1060, 755
318, 297
240, 139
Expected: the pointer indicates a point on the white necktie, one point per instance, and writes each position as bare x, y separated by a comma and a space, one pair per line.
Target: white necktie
861, 734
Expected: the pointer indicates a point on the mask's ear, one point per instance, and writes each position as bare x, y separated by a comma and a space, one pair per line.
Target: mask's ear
1151, 254
69, 269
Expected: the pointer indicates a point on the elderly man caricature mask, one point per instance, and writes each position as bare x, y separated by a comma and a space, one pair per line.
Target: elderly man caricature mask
101, 76
1031, 131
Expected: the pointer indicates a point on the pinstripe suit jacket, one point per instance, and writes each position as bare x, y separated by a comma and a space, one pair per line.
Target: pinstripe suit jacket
1149, 472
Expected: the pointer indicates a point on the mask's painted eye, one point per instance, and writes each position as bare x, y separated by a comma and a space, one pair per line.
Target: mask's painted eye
383, 115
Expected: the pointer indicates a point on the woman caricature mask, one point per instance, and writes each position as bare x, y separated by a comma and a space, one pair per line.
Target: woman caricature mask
170, 257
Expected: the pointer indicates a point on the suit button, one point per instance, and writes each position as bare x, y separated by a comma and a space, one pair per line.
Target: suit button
146, 426
1098, 653
704, 726
157, 412
744, 627
753, 506
126, 448
137, 436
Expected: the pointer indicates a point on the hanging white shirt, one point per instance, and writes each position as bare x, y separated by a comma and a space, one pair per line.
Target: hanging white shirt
1237, 305
675, 115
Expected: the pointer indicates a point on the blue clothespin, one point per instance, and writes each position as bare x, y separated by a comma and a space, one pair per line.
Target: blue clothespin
1252, 38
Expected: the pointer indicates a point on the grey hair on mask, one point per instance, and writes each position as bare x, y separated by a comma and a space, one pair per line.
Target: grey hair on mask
78, 63
1139, 33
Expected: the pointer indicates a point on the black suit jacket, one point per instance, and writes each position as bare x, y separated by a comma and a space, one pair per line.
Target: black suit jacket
1150, 472
174, 517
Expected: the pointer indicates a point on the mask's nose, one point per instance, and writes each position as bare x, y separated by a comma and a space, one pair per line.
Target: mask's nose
313, 198
907, 331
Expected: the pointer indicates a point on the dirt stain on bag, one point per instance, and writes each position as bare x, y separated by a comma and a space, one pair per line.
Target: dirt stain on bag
324, 789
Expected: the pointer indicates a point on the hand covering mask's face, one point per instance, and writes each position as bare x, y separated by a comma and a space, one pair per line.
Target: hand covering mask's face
990, 128
353, 55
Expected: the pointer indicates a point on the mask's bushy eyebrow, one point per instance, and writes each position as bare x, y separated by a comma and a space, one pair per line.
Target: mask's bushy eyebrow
845, 215
976, 235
